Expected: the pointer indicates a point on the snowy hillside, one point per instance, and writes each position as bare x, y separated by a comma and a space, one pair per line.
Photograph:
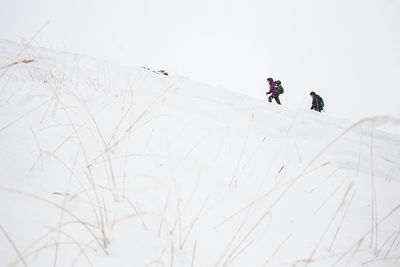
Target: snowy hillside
104, 165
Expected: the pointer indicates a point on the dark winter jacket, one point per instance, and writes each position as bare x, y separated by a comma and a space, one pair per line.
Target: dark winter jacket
317, 103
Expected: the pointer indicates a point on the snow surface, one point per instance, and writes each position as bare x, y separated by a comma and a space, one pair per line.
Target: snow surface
106, 165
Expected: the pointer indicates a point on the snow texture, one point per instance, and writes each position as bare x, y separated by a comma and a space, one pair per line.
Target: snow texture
107, 165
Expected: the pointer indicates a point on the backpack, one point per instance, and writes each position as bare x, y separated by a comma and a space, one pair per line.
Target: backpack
279, 89
320, 102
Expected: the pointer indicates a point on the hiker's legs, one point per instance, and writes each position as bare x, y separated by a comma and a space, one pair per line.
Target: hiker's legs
277, 99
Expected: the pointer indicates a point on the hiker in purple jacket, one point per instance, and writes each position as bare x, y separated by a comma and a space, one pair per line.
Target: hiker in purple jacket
273, 91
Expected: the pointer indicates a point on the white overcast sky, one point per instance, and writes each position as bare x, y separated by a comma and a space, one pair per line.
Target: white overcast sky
348, 51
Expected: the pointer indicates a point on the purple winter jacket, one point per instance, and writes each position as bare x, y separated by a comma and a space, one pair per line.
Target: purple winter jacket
272, 88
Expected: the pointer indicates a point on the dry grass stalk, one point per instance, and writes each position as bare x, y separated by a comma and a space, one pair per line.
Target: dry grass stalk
172, 254
374, 215
194, 253
84, 224
330, 196
276, 250
13, 245
23, 49
90, 179
376, 119
62, 215
234, 178
23, 115
310, 258
25, 61
341, 221
150, 106
238, 253
360, 241
246, 236
298, 152
40, 157
391, 246
48, 245
345, 196
283, 166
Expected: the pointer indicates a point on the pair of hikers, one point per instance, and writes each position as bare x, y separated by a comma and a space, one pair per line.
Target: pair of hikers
276, 89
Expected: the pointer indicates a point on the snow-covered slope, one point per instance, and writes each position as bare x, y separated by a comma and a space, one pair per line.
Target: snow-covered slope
104, 165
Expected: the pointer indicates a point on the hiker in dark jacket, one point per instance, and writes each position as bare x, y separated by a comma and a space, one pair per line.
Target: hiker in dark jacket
273, 91
317, 102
